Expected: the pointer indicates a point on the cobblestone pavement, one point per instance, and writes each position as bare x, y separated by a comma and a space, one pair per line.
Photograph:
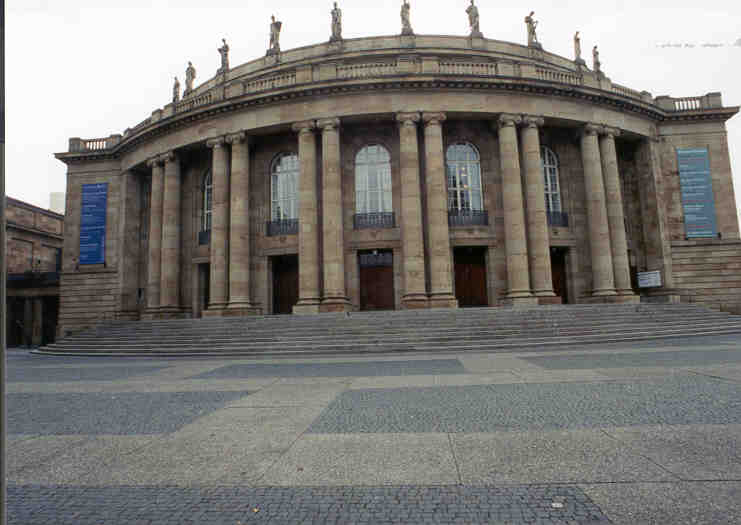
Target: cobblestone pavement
626, 434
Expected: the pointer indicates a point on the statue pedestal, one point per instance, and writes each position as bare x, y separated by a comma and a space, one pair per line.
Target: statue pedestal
407, 40
477, 40
335, 45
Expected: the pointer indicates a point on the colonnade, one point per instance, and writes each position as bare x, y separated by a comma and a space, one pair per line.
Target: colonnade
526, 239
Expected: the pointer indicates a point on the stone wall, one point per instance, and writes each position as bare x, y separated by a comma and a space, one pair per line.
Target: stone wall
709, 272
34, 237
88, 297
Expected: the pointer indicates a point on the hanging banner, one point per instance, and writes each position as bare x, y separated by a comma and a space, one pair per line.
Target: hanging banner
697, 193
93, 223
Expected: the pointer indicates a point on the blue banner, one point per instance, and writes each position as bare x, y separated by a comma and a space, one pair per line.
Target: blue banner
93, 222
698, 200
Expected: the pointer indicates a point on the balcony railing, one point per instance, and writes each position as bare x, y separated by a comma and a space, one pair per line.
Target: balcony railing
558, 219
364, 221
459, 218
282, 227
204, 237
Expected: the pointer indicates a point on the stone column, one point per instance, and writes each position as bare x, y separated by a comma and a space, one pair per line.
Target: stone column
539, 246
28, 321
335, 294
155, 234
518, 273
599, 231
441, 272
309, 296
37, 330
219, 227
415, 295
615, 213
170, 275
240, 301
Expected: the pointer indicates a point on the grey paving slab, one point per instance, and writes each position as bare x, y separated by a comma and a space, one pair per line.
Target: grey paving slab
169, 385
33, 505
117, 413
559, 376
678, 503
368, 459
300, 394
493, 378
676, 358
78, 373
337, 369
697, 452
549, 457
675, 401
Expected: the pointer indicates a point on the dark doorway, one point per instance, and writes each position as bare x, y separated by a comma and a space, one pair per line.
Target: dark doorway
14, 319
285, 283
204, 288
559, 271
376, 280
470, 276
50, 315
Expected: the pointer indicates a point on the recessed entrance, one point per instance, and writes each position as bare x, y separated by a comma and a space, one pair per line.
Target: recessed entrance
376, 279
285, 283
559, 271
470, 276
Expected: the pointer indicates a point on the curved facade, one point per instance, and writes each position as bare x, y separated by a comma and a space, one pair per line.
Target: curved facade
391, 172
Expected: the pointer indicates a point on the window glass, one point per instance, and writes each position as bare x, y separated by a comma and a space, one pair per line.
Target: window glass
373, 191
208, 190
284, 187
551, 178
464, 178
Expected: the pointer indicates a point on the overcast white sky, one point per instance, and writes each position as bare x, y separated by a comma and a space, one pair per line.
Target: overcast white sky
90, 68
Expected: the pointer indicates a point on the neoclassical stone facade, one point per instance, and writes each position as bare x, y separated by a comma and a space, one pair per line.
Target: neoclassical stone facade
392, 172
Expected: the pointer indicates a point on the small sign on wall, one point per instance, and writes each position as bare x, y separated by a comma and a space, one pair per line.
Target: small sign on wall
649, 279
93, 223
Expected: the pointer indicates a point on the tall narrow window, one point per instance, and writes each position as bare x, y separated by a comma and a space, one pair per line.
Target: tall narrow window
373, 192
465, 199
284, 187
550, 175
208, 194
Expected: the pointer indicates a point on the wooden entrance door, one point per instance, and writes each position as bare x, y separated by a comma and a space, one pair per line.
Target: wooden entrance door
470, 277
285, 283
376, 280
558, 269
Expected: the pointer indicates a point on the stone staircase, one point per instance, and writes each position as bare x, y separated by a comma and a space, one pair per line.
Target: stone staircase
476, 329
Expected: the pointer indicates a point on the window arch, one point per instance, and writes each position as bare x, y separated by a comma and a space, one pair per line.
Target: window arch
464, 179
551, 179
208, 199
284, 176
373, 191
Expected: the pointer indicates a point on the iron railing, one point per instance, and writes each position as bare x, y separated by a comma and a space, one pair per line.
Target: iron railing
458, 218
282, 227
365, 221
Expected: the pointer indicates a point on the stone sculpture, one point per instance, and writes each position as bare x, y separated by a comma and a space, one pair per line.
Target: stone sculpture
595, 57
275, 27
176, 91
190, 76
406, 25
473, 20
577, 48
336, 24
532, 35
224, 51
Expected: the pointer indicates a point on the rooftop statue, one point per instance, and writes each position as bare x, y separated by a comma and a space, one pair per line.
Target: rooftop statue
336, 24
406, 25
224, 51
473, 20
275, 27
190, 76
595, 57
532, 35
176, 91
577, 49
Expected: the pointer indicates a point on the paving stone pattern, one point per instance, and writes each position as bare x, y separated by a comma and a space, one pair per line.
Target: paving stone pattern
492, 408
111, 413
98, 373
351, 369
43, 505
669, 359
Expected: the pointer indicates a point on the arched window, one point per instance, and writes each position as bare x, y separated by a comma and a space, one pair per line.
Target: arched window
208, 199
373, 192
284, 187
550, 176
464, 179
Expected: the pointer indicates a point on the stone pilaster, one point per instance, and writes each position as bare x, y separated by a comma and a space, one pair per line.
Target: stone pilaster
599, 232
219, 227
170, 273
335, 294
538, 245
308, 229
37, 330
240, 301
154, 263
615, 212
415, 295
518, 273
441, 272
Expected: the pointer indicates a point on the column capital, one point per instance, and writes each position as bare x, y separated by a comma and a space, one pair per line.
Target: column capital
507, 119
407, 119
305, 126
216, 142
531, 121
154, 161
433, 118
591, 129
328, 124
169, 156
610, 132
237, 138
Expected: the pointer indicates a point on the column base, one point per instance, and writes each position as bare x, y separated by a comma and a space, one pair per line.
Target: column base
546, 300
335, 304
415, 301
307, 307
612, 299
241, 310
443, 301
604, 293
520, 302
163, 313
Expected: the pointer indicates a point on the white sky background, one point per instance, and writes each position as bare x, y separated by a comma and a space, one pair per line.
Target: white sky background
90, 68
